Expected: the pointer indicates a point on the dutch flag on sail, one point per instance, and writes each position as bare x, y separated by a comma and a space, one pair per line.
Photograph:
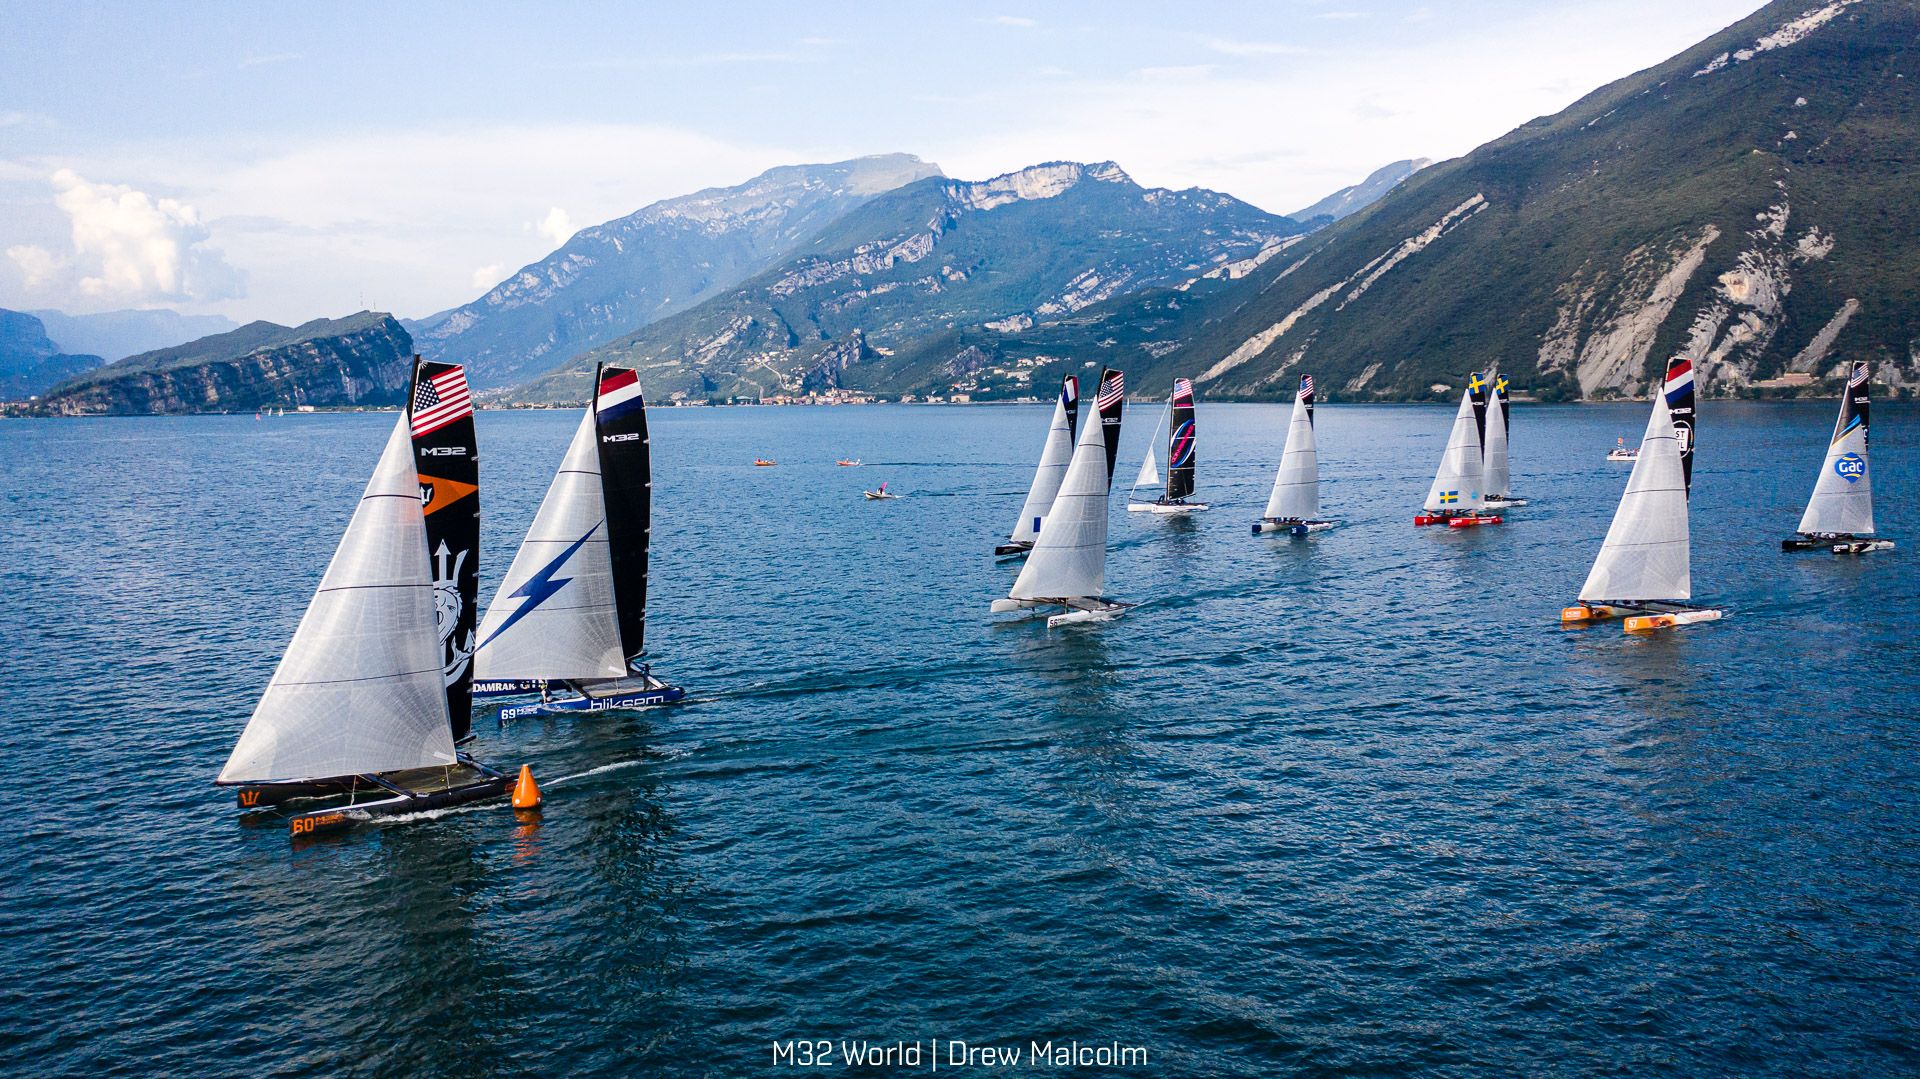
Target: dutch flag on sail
619, 392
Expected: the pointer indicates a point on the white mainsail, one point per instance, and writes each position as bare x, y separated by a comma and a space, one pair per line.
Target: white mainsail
360, 688
1842, 502
1457, 484
1495, 479
554, 616
1069, 560
1646, 553
1046, 479
1296, 487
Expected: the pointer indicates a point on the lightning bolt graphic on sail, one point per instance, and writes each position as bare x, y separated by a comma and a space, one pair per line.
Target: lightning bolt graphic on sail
541, 585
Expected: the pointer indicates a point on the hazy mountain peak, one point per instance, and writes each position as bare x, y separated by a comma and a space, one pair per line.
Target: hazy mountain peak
1043, 181
1357, 197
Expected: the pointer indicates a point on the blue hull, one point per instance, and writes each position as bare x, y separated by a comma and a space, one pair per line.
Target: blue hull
644, 699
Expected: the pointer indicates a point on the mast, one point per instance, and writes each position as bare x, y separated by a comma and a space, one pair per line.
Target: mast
1646, 555
553, 617
1180, 442
1069, 558
1054, 455
1296, 486
1842, 501
1496, 479
448, 462
361, 687
626, 477
1457, 482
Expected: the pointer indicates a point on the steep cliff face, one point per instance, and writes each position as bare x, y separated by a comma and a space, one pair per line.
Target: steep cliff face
30, 363
875, 300
616, 277
1752, 204
363, 359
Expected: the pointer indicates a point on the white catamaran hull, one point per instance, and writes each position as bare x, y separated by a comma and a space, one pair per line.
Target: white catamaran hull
1505, 503
1291, 528
1079, 610
1167, 509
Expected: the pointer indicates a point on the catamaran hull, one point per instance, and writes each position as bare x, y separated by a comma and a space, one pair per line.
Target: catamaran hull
1474, 522
1453, 520
263, 795
1009, 550
320, 821
1862, 546
1078, 611
1836, 544
1505, 503
621, 702
1291, 528
1628, 456
1167, 509
1640, 618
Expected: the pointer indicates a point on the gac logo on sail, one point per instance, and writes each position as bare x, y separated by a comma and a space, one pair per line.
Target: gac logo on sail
1852, 466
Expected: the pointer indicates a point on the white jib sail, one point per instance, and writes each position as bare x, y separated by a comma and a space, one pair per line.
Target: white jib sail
1149, 472
1296, 487
554, 615
1070, 558
1842, 501
1646, 554
1046, 479
360, 688
1495, 480
1456, 486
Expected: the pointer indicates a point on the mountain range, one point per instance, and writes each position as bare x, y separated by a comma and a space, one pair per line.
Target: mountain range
1351, 200
364, 359
119, 334
616, 277
30, 362
874, 300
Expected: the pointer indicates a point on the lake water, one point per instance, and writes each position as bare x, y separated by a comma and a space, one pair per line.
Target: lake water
1350, 805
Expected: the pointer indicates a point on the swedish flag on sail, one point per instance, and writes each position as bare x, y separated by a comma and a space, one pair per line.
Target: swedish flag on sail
1477, 383
1449, 496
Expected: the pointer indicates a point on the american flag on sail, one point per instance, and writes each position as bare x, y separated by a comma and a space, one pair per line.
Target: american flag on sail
440, 400
1306, 386
1112, 389
1183, 392
1859, 375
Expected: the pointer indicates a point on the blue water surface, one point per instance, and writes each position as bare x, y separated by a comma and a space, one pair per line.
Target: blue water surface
1354, 804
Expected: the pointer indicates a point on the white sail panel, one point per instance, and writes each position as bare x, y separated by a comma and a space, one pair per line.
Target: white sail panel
1842, 502
1495, 480
360, 688
1046, 479
554, 615
1149, 475
1456, 485
1646, 553
1296, 487
1070, 557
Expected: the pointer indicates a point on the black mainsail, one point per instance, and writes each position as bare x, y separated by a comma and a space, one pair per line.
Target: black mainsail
626, 477
1180, 442
440, 414
1679, 392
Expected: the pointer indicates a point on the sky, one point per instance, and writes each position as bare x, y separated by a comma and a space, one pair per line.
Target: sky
295, 162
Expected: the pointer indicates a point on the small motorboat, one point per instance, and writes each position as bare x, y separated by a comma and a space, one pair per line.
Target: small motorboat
764, 462
1623, 452
881, 494
849, 463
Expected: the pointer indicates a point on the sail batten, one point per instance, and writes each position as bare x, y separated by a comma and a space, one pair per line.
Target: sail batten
1054, 457
1842, 499
1296, 486
361, 686
1069, 556
1457, 482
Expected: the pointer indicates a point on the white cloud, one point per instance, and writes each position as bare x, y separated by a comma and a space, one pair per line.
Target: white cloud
485, 277
1015, 20
557, 226
126, 247
269, 58
1253, 48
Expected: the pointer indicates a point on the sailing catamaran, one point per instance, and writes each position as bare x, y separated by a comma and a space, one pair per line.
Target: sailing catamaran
1497, 481
1067, 567
572, 608
1294, 505
1457, 498
370, 699
1840, 513
1054, 455
1180, 459
1644, 569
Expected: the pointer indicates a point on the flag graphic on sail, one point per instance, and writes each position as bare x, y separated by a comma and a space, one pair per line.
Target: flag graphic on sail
1109, 401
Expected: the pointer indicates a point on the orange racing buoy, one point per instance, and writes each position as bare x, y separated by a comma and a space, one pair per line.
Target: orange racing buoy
526, 793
